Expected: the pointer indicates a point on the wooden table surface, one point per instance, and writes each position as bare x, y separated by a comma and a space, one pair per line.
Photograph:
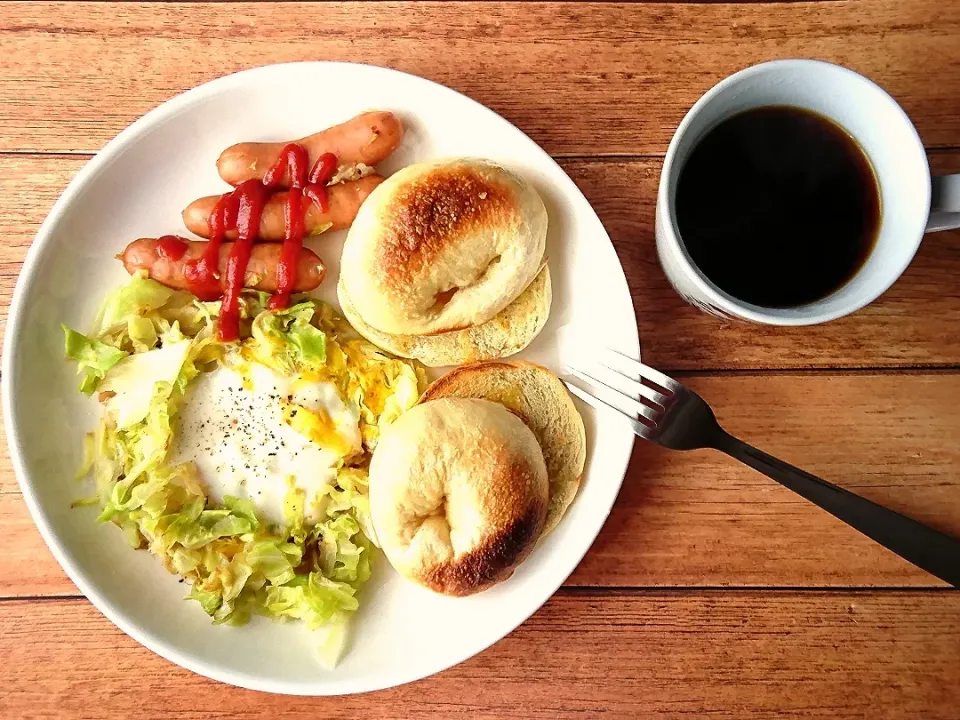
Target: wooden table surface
711, 592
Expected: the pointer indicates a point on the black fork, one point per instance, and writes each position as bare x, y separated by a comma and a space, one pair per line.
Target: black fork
677, 418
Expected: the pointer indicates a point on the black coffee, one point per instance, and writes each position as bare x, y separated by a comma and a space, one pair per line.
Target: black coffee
778, 206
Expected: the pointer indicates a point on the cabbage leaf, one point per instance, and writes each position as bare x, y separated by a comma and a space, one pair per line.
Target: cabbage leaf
94, 358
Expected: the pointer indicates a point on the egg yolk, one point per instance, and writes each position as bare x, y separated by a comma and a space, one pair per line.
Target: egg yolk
316, 426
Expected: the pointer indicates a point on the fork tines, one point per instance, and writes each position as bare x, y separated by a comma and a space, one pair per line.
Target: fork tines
637, 370
615, 381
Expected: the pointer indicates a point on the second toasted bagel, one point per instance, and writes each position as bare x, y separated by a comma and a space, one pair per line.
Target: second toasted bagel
538, 397
458, 494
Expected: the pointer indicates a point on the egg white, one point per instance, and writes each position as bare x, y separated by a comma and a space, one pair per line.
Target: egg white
235, 425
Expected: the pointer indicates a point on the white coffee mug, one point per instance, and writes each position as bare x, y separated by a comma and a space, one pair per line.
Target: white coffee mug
911, 202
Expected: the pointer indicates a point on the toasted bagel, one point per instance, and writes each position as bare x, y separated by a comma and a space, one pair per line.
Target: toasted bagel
458, 494
443, 246
538, 397
506, 334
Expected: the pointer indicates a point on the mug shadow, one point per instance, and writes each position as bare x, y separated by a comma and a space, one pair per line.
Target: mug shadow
673, 334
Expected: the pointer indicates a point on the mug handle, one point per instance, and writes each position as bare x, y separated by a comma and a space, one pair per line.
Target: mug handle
944, 203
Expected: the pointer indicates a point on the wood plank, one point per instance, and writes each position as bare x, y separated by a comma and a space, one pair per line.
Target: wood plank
34, 571
719, 655
701, 519
917, 323
580, 79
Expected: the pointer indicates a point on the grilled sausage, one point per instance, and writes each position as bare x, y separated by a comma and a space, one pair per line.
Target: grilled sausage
368, 138
148, 254
343, 202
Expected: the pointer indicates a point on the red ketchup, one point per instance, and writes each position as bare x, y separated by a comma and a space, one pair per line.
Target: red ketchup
203, 275
171, 247
314, 188
241, 210
250, 197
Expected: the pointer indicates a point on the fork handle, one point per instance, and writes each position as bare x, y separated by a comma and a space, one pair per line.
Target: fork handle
928, 549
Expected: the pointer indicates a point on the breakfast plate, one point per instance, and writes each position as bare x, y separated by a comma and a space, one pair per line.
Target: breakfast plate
134, 188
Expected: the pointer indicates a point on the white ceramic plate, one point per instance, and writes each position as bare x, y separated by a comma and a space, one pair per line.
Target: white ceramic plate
136, 187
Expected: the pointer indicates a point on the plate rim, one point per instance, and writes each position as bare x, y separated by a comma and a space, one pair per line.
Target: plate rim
152, 641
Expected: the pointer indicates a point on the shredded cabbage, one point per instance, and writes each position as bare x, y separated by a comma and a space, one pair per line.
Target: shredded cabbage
93, 358
132, 381
381, 386
148, 343
286, 340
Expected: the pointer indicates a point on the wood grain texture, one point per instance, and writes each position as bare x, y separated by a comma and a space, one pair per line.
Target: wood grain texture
720, 655
917, 323
33, 571
701, 519
593, 79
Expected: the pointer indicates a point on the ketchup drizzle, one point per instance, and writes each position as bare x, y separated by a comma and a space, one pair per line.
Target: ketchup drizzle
241, 210
250, 197
294, 157
171, 247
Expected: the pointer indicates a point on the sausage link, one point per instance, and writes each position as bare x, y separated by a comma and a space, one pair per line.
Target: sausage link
368, 138
343, 203
144, 254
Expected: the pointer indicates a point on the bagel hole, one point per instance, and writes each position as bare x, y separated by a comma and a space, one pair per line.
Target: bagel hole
439, 513
443, 298
490, 266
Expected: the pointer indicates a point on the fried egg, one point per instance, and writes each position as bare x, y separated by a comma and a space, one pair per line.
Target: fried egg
255, 433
